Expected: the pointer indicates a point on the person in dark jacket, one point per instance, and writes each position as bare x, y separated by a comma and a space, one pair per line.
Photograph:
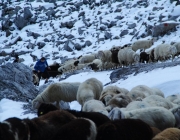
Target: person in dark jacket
42, 67
16, 60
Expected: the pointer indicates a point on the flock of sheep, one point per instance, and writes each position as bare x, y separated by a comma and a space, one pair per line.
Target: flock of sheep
119, 56
141, 102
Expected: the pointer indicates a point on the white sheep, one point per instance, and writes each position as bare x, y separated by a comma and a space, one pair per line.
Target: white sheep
156, 100
87, 58
173, 97
140, 92
112, 91
97, 64
35, 79
157, 91
68, 66
164, 51
119, 100
106, 58
127, 57
142, 44
55, 92
158, 117
177, 45
89, 89
94, 106
80, 66
137, 105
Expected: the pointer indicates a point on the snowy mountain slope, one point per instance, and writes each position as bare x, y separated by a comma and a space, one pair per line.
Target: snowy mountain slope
82, 29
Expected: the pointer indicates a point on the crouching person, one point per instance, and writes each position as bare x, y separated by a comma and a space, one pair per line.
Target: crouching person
42, 67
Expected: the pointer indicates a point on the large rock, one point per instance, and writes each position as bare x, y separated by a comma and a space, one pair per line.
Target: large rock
163, 28
16, 82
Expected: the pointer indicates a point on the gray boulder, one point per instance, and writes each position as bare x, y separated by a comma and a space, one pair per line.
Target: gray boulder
16, 82
163, 28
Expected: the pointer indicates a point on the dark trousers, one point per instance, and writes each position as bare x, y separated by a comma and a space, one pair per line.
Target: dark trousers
44, 74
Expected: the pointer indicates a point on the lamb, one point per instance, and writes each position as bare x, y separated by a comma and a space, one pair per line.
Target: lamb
156, 100
65, 91
96, 117
168, 134
78, 129
144, 57
94, 106
112, 91
150, 115
89, 89
35, 80
125, 129
127, 57
142, 44
163, 51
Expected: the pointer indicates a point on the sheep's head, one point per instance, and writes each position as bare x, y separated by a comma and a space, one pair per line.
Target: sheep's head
116, 114
36, 104
93, 66
76, 63
101, 55
136, 57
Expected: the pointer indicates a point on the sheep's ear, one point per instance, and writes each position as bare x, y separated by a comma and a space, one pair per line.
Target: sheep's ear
76, 63
79, 57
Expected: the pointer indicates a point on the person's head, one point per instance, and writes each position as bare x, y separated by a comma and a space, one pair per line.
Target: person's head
42, 59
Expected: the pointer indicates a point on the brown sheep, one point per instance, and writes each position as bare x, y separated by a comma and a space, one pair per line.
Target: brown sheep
168, 134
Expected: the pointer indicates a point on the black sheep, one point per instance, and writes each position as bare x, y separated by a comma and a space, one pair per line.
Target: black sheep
144, 57
125, 129
96, 117
78, 129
